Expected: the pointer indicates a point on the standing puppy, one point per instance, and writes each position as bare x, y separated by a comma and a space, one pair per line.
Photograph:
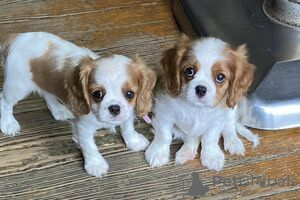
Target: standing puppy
76, 84
204, 81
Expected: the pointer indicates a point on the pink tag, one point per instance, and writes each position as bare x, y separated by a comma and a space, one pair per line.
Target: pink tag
147, 119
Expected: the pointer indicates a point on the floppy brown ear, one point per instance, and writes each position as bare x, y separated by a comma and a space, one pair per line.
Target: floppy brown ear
77, 87
146, 79
243, 73
171, 64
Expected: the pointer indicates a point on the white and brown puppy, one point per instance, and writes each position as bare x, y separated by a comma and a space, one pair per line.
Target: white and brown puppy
204, 81
77, 84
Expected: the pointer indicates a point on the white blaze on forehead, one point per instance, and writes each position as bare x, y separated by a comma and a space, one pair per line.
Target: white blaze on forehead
112, 70
208, 51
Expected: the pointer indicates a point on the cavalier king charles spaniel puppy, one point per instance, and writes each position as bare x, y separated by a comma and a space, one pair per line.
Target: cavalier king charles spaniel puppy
203, 81
92, 92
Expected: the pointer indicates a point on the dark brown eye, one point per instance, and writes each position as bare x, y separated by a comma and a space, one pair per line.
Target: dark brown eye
98, 94
129, 94
189, 71
220, 78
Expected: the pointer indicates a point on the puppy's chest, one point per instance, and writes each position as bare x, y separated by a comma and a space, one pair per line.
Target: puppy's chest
197, 121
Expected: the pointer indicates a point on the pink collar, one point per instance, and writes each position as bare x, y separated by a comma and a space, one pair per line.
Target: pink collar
147, 119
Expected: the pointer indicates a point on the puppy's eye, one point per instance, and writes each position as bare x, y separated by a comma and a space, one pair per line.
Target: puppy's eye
129, 94
189, 71
220, 78
98, 94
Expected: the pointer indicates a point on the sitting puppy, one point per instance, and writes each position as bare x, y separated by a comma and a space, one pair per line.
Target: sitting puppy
204, 80
76, 84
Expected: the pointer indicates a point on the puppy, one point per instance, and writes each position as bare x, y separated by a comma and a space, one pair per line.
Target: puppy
77, 84
204, 80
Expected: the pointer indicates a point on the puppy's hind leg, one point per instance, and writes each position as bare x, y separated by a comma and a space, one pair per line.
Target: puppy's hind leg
188, 151
58, 110
158, 153
232, 143
11, 94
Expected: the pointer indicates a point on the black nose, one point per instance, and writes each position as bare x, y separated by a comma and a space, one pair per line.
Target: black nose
200, 90
114, 109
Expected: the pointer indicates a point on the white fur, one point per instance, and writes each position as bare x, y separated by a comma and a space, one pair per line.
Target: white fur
110, 73
193, 120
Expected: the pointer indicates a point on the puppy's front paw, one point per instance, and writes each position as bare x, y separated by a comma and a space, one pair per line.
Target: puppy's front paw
234, 146
96, 168
184, 154
10, 127
138, 142
157, 155
213, 158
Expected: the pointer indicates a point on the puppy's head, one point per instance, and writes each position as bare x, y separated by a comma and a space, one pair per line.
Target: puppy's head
207, 72
114, 87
